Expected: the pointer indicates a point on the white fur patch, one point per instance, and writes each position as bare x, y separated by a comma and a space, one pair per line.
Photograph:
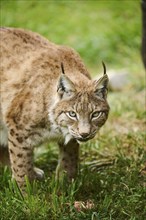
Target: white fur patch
67, 136
39, 173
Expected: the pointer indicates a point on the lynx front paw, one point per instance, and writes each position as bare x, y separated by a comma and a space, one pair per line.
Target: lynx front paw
39, 174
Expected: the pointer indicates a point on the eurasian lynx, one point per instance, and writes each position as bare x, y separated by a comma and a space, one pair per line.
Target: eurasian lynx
46, 93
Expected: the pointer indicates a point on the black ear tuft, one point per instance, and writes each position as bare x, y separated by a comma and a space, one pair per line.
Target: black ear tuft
62, 68
104, 67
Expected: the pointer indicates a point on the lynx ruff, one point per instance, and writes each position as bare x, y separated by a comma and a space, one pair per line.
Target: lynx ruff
46, 94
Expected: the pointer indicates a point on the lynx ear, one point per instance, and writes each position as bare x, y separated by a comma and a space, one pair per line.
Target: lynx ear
101, 85
65, 87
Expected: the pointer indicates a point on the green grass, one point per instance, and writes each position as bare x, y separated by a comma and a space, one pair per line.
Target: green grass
111, 170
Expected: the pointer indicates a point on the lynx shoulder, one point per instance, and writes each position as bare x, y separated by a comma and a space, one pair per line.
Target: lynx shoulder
46, 93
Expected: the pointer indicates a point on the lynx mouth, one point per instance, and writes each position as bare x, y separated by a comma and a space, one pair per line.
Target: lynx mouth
84, 139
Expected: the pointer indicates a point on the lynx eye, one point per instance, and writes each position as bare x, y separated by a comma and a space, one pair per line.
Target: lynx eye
72, 114
96, 114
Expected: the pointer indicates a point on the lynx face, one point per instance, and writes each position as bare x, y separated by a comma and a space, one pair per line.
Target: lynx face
80, 112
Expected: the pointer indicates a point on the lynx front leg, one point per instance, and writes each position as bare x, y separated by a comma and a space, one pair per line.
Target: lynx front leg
68, 159
21, 157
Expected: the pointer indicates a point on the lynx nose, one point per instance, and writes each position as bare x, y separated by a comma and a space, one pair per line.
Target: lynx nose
84, 135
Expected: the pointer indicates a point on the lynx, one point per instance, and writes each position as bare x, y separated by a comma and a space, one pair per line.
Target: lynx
46, 94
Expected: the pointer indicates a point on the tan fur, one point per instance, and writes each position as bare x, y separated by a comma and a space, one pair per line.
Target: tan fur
40, 103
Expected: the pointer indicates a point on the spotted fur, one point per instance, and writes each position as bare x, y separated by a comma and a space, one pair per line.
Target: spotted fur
46, 93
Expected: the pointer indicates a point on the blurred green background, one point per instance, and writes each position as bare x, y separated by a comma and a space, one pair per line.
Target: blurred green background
108, 30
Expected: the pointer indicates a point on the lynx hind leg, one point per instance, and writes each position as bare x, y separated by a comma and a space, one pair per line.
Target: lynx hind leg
3, 134
4, 154
68, 160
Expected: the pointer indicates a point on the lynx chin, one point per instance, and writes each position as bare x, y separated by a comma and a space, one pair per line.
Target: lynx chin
46, 94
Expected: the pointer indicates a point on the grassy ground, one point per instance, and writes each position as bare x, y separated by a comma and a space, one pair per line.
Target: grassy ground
111, 170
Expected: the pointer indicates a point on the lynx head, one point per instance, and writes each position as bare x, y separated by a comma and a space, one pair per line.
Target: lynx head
81, 108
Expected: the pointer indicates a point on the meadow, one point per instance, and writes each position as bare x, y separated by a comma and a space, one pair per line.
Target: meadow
112, 176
